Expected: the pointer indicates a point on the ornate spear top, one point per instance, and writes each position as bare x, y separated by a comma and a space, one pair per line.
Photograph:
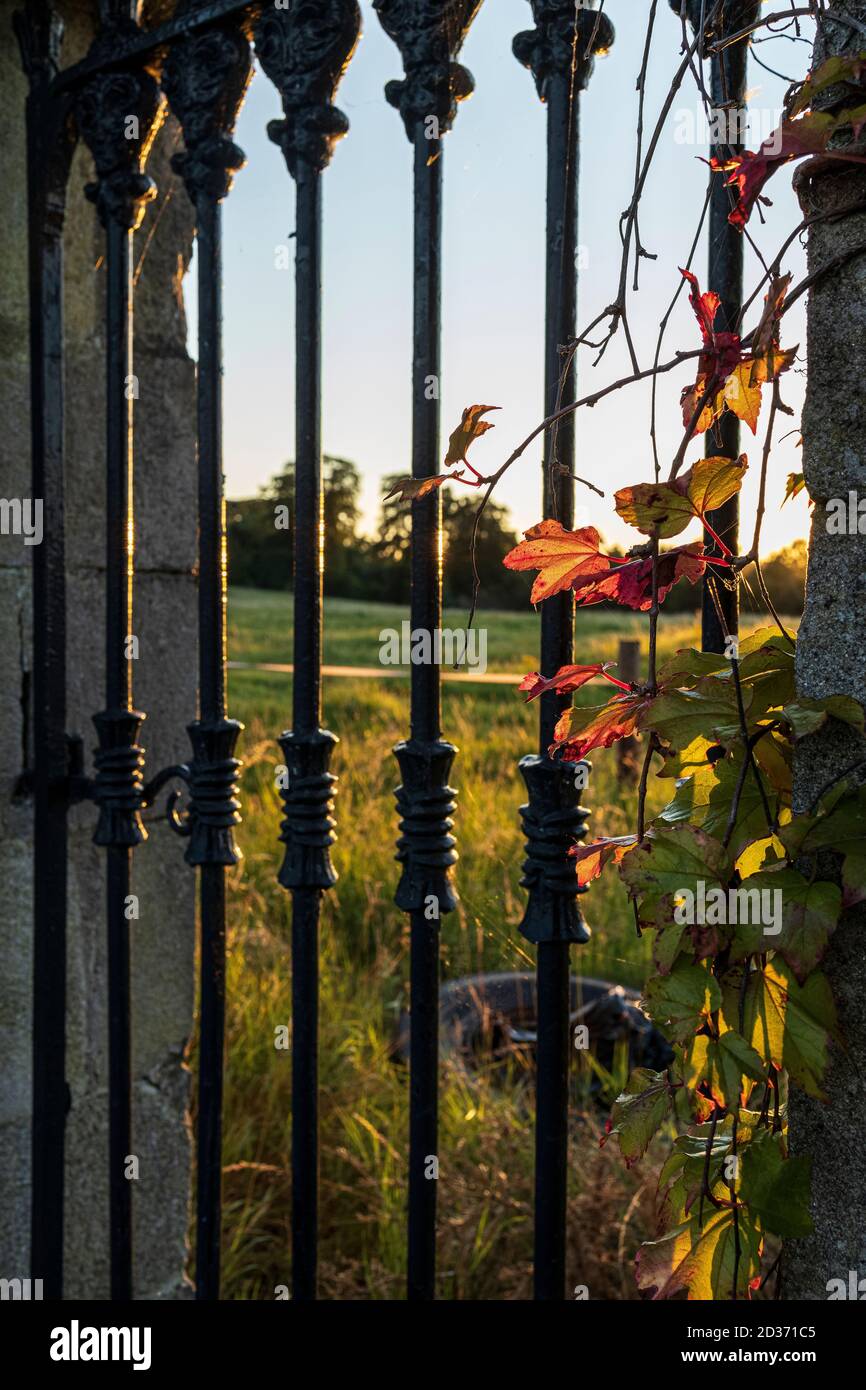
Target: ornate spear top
567, 36
304, 51
205, 79
429, 35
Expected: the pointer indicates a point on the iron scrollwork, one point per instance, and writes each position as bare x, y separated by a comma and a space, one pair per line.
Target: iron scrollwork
119, 113
552, 821
205, 79
426, 804
304, 51
565, 40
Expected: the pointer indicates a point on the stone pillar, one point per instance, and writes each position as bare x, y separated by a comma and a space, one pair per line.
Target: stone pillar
165, 687
831, 658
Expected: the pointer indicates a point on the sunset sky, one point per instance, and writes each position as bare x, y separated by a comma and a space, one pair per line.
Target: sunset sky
493, 269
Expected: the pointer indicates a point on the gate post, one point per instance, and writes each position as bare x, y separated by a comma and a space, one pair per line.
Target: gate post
106, 108
50, 146
560, 52
304, 55
205, 78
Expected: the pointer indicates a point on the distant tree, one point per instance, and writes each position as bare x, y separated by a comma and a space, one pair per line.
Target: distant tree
785, 576
500, 588
261, 529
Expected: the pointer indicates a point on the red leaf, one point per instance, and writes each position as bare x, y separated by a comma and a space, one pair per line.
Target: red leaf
749, 172
597, 728
558, 555
630, 584
568, 678
591, 859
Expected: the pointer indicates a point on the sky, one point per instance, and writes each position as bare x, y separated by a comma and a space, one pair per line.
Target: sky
493, 285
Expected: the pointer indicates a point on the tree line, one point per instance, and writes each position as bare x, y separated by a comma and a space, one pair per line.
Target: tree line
376, 569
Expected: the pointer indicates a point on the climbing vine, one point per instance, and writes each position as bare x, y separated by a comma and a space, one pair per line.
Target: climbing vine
740, 894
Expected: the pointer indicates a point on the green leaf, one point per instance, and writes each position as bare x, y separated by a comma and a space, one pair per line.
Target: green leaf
840, 825
704, 800
669, 864
787, 1024
680, 716
681, 1002
807, 915
702, 1261
666, 509
639, 1112
805, 715
722, 1064
775, 1188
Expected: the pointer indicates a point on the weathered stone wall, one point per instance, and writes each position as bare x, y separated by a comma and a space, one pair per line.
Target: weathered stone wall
831, 658
164, 687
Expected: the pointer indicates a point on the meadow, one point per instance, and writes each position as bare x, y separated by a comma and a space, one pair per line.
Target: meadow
485, 1153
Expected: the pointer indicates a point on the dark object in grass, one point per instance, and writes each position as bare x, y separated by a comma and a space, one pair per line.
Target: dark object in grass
491, 1019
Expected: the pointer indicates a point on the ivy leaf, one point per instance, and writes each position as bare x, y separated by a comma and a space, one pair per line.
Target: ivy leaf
787, 1024
639, 1112
471, 427
839, 825
580, 730
760, 854
567, 679
681, 1002
833, 71
776, 1189
795, 485
666, 509
591, 859
702, 1260
558, 555
810, 134
685, 762
705, 798
854, 878
806, 715
766, 336
721, 1064
668, 864
741, 393
413, 489
808, 917
680, 716
630, 582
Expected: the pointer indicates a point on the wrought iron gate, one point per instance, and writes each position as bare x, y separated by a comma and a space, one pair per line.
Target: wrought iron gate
200, 62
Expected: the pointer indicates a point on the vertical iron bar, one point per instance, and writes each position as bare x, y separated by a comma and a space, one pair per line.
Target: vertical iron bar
426, 616
212, 711
429, 34
105, 108
49, 149
725, 276
557, 649
206, 76
305, 52
560, 53
306, 715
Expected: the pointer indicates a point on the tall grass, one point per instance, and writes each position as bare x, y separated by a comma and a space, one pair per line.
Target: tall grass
485, 1151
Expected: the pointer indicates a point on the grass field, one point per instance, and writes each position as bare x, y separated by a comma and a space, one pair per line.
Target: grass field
485, 1186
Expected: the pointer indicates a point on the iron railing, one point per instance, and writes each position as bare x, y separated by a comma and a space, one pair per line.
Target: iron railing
200, 61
